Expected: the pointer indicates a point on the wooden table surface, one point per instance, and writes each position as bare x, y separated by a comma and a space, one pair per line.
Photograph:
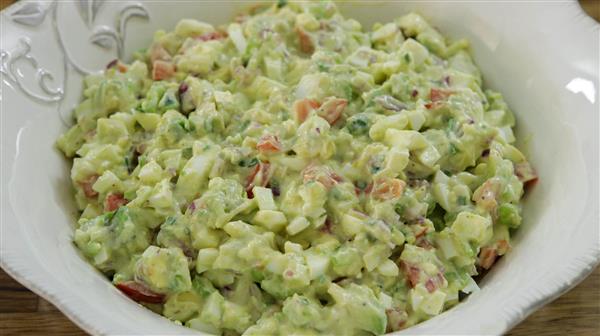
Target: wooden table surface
575, 313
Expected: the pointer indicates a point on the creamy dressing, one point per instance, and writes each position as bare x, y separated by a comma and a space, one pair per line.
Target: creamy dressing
293, 173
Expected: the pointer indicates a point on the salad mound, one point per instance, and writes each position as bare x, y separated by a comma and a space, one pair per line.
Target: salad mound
292, 173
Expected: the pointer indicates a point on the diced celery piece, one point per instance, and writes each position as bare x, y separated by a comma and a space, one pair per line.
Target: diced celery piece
206, 257
297, 225
271, 220
472, 227
264, 198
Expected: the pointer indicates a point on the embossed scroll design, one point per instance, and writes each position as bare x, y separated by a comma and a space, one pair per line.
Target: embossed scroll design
12, 72
33, 14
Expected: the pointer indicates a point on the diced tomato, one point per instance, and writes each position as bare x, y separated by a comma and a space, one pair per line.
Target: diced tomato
327, 227
388, 188
259, 176
323, 174
525, 173
87, 184
159, 53
114, 201
116, 63
435, 282
430, 285
413, 273
303, 107
423, 242
332, 109
140, 293
214, 35
162, 70
369, 188
485, 195
488, 254
337, 178
396, 319
502, 246
122, 67
305, 42
268, 144
437, 96
419, 230
487, 257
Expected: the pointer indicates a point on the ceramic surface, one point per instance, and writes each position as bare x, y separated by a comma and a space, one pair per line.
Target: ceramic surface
542, 56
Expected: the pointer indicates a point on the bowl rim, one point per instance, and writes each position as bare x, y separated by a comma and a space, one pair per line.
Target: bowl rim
10, 262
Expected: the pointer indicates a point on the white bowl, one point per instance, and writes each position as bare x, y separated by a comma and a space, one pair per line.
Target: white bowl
542, 56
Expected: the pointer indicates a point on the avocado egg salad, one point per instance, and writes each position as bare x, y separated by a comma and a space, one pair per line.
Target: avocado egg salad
294, 173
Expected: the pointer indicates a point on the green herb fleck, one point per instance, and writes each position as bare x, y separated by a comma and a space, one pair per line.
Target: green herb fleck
257, 275
371, 238
323, 67
187, 152
202, 286
508, 214
400, 207
248, 162
244, 125
452, 125
142, 160
170, 220
358, 125
361, 185
182, 124
453, 149
130, 195
348, 91
120, 216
